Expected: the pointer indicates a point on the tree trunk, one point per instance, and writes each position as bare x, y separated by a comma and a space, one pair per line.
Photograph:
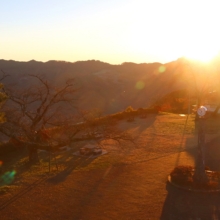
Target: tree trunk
33, 154
200, 174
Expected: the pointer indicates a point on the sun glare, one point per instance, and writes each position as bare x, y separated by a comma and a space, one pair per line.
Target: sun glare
204, 56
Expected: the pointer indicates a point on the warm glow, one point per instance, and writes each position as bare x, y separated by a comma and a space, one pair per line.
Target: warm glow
199, 35
110, 31
202, 55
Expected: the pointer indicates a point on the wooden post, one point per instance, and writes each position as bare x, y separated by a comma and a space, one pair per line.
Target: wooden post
49, 157
200, 175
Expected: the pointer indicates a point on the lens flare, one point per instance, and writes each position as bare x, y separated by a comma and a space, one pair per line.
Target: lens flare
162, 69
1, 162
140, 85
8, 177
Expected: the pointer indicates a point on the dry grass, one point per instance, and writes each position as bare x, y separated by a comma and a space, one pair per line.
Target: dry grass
127, 183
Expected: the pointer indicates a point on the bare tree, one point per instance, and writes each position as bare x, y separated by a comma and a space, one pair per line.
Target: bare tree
41, 117
35, 108
3, 96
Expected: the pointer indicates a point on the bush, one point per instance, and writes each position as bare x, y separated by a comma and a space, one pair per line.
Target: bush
129, 109
182, 175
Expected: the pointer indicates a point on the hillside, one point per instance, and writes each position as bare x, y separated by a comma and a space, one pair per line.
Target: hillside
110, 88
129, 182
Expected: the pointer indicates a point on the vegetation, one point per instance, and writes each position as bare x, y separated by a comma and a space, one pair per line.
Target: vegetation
40, 116
183, 176
33, 109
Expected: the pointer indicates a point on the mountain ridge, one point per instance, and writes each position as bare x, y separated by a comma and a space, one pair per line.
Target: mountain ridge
108, 87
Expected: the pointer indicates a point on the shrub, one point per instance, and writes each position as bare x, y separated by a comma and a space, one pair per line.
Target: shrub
182, 175
129, 109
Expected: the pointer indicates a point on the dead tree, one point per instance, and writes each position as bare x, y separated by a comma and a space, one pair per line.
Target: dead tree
35, 108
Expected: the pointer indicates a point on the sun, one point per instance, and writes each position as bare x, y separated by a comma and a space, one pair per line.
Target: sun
204, 55
201, 47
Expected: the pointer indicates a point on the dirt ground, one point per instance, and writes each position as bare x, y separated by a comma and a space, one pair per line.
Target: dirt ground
127, 183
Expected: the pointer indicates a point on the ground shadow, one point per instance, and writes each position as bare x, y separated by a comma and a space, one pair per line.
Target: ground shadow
147, 122
212, 153
212, 159
212, 143
75, 162
141, 122
139, 125
184, 205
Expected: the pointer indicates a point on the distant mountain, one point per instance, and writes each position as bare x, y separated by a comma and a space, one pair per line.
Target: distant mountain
109, 87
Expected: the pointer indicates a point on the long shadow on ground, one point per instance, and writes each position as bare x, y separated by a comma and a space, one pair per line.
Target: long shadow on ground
213, 154
184, 205
74, 163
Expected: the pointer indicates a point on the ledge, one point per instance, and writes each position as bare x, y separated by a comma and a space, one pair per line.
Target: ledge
191, 189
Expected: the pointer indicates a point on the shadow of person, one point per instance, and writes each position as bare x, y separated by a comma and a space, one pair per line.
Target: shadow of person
182, 204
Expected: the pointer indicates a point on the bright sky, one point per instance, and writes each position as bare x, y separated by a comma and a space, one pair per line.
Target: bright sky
113, 31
